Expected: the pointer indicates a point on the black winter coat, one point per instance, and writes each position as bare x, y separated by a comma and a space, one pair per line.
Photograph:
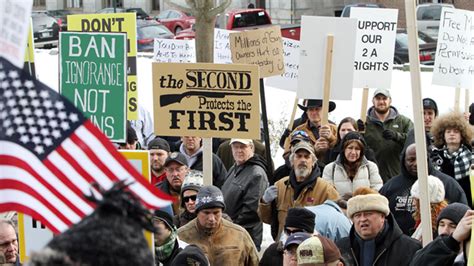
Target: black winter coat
397, 191
441, 251
242, 190
391, 248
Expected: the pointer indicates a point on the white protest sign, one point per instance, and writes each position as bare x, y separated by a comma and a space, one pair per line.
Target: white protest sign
289, 79
14, 26
375, 46
454, 62
314, 32
33, 236
222, 54
174, 51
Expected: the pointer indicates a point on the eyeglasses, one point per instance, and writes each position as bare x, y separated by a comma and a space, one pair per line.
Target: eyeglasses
172, 170
186, 199
290, 232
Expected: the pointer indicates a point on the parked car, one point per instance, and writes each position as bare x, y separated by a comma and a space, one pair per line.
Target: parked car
428, 17
244, 19
141, 14
45, 30
61, 16
427, 48
346, 11
291, 31
147, 31
175, 20
187, 34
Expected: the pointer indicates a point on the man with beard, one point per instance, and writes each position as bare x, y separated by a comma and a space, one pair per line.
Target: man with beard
397, 189
159, 151
385, 132
303, 187
191, 148
224, 242
8, 241
176, 167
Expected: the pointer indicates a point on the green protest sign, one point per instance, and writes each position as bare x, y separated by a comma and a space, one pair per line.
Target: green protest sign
93, 76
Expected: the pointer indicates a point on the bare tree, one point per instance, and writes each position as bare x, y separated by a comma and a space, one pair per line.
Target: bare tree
205, 14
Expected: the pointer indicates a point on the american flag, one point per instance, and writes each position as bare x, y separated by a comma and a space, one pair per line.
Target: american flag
50, 153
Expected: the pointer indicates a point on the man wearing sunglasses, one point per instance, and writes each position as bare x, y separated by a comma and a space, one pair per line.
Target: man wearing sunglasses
191, 186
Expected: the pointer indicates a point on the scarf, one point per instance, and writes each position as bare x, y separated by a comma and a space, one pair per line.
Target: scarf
461, 160
368, 247
164, 251
298, 187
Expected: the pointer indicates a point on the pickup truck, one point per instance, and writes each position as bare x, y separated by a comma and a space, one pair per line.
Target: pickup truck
428, 17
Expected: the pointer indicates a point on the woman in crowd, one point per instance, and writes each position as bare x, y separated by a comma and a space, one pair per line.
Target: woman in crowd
191, 186
347, 125
437, 204
452, 153
351, 169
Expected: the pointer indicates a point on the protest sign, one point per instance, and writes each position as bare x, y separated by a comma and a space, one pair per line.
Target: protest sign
32, 236
29, 62
92, 69
222, 54
375, 45
14, 28
174, 51
140, 160
289, 79
206, 100
262, 47
314, 33
117, 22
454, 62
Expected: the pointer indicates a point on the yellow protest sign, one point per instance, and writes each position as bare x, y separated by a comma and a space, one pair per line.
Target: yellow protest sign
116, 22
141, 162
206, 100
262, 47
29, 65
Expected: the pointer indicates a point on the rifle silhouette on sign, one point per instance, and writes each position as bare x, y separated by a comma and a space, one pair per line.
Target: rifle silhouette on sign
176, 98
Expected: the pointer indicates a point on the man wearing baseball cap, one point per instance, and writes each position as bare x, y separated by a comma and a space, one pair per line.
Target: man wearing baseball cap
244, 186
430, 112
375, 238
176, 168
303, 187
318, 251
224, 242
385, 132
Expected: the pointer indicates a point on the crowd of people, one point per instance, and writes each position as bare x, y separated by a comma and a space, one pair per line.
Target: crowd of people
347, 194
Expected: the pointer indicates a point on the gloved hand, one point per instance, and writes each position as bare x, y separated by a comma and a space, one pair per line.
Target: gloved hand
270, 194
390, 134
361, 125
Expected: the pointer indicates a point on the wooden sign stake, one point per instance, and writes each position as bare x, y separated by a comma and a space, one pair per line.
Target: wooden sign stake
365, 99
327, 78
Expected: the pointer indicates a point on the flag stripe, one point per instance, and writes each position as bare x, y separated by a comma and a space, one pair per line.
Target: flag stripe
150, 195
10, 183
13, 161
21, 175
12, 196
6, 207
93, 172
73, 180
51, 181
85, 206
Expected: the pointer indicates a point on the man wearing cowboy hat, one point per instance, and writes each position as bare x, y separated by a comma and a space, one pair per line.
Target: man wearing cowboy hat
324, 136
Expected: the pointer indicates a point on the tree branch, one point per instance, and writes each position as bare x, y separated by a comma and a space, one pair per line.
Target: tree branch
219, 9
180, 7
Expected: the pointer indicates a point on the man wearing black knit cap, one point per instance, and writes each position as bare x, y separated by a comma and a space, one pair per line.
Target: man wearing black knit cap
224, 242
297, 220
430, 112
